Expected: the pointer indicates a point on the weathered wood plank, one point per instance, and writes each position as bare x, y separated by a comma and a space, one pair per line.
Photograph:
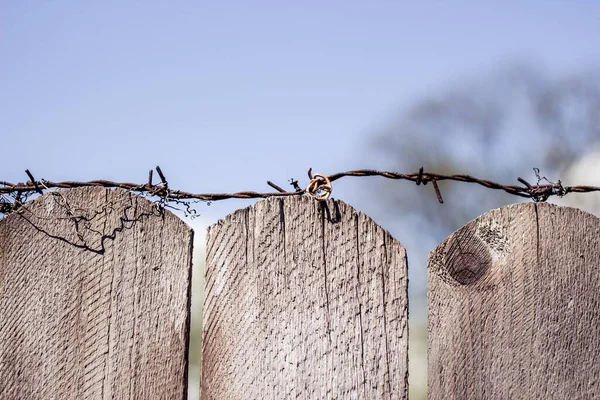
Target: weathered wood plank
514, 306
94, 298
302, 305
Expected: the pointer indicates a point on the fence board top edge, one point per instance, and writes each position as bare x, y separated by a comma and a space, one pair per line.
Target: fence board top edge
512, 208
331, 203
168, 215
227, 219
479, 243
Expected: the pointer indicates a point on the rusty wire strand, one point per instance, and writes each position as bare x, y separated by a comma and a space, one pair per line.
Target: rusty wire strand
539, 192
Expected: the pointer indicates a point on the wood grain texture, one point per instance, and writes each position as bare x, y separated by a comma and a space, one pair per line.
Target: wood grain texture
304, 300
94, 298
514, 306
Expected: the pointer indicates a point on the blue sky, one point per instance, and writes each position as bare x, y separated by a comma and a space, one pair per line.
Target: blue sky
225, 95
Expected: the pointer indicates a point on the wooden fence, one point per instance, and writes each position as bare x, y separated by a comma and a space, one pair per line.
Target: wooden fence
304, 300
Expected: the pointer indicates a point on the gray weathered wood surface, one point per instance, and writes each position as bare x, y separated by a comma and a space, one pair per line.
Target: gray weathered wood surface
109, 321
514, 306
299, 307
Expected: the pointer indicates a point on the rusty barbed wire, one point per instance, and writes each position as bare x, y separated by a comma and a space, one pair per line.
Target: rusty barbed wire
14, 195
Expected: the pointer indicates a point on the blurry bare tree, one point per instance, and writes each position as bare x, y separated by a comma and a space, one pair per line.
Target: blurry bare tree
497, 127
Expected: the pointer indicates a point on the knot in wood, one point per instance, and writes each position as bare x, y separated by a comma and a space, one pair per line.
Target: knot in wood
467, 258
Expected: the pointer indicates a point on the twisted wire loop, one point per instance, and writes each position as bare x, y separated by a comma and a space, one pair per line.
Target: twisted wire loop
542, 193
319, 186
